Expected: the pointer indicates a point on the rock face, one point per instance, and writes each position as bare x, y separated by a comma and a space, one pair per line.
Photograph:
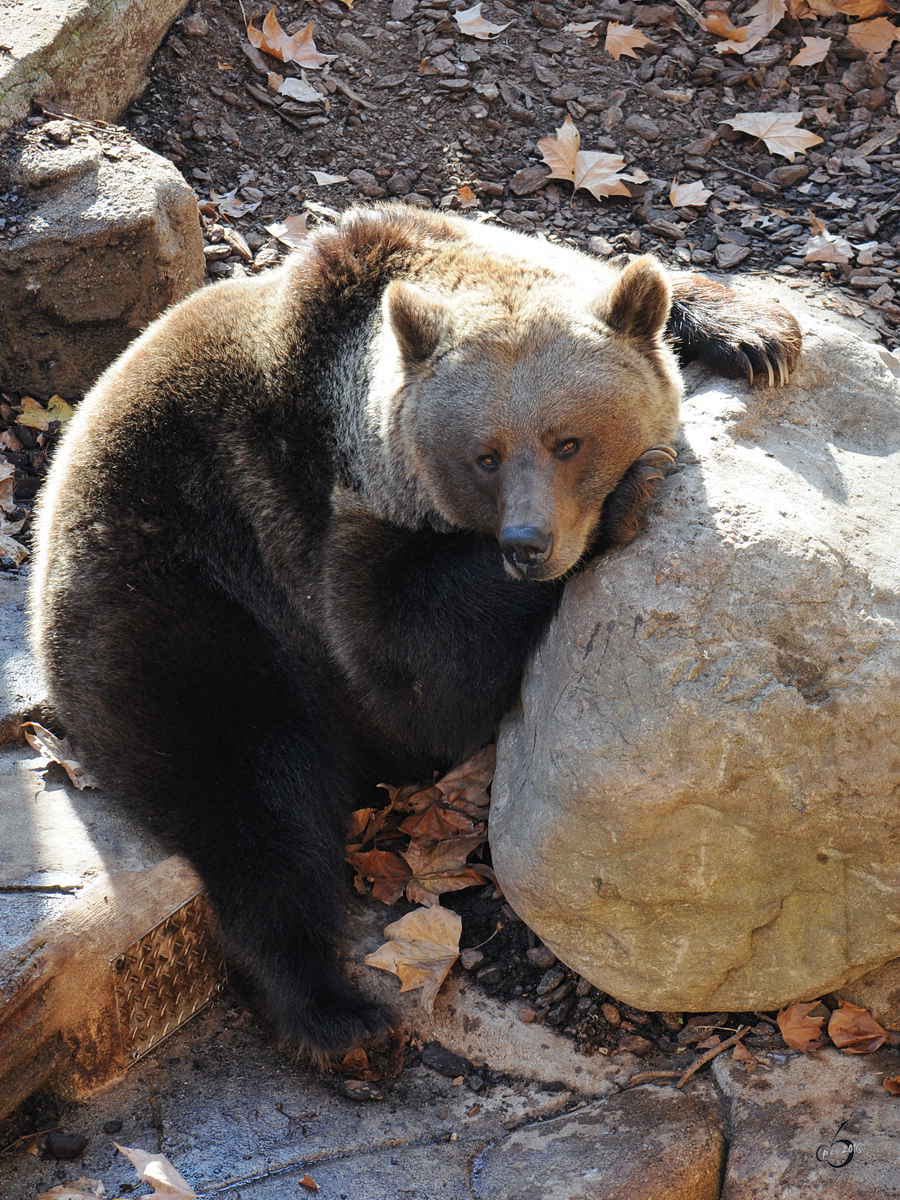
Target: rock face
697, 805
111, 237
88, 55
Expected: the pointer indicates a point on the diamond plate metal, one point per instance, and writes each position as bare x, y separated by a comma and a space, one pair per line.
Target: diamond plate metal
167, 976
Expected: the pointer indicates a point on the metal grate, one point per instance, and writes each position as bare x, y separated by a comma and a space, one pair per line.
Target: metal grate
167, 976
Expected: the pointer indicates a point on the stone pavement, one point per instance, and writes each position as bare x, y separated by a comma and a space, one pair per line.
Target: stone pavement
241, 1120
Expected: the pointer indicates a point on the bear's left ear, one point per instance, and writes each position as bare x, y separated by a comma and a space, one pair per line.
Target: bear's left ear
420, 321
639, 301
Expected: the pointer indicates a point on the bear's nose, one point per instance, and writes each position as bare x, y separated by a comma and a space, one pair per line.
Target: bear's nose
525, 545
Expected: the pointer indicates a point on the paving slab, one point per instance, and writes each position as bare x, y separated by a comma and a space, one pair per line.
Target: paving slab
812, 1128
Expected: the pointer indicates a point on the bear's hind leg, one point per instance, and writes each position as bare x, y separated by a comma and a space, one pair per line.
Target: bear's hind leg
736, 336
236, 752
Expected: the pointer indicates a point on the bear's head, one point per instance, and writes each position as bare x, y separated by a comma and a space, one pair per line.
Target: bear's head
521, 398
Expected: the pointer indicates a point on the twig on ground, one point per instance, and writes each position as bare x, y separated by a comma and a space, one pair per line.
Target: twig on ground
29, 1137
710, 1054
646, 1076
685, 6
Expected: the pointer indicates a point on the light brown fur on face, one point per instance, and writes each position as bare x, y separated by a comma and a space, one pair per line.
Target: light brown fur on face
515, 373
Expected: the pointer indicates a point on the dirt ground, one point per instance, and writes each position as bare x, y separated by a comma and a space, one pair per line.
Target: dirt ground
411, 108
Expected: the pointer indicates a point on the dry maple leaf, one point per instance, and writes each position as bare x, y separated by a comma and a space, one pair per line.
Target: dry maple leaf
718, 24
747, 1057
473, 24
81, 1189
780, 132
299, 47
766, 14
822, 246
865, 8
467, 198
815, 51
854, 1030
800, 1031
58, 750
582, 29
441, 867
892, 1085
299, 89
588, 169
156, 1170
466, 785
291, 232
386, 871
687, 195
874, 36
35, 416
227, 203
623, 39
420, 950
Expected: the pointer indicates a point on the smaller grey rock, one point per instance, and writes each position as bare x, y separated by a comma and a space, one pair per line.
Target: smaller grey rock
65, 1145
540, 956
195, 26
352, 45
471, 959
401, 9
444, 1062
59, 132
729, 255
643, 127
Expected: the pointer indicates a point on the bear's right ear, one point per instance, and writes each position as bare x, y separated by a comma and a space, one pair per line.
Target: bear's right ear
639, 300
419, 320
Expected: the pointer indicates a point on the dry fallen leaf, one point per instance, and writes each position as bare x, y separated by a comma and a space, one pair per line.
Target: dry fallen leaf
718, 24
299, 47
35, 416
581, 29
780, 131
623, 39
156, 1170
58, 750
441, 867
800, 1031
323, 179
854, 1030
467, 198
874, 36
822, 246
865, 8
472, 23
589, 169
815, 51
466, 785
227, 203
687, 195
300, 89
420, 950
892, 1085
386, 871
747, 1057
81, 1189
309, 1184
766, 14
291, 231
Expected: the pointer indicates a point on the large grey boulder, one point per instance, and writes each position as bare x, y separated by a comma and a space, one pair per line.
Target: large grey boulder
697, 805
110, 237
89, 55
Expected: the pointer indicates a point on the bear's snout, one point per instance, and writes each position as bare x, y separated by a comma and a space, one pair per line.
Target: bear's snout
526, 546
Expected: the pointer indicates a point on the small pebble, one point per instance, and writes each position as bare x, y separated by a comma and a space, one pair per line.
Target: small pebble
541, 957
65, 1145
550, 979
471, 959
526, 1014
112, 1126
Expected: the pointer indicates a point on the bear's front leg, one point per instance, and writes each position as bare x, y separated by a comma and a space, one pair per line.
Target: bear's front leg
431, 631
735, 335
623, 512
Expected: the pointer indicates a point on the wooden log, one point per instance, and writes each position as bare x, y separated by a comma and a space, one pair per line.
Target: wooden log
96, 988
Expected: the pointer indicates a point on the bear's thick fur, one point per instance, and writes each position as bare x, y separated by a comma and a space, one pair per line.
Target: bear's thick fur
302, 536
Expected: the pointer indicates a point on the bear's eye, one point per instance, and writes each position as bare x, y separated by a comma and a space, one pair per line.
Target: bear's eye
489, 462
568, 448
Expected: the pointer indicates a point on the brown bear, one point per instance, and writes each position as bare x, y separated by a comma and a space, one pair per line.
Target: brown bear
303, 535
